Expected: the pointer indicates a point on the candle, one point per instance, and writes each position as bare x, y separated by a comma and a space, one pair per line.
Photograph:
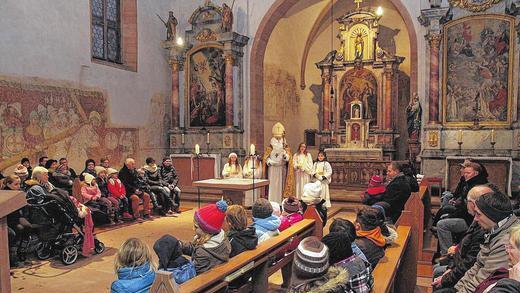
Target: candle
493, 135
182, 138
459, 136
252, 150
207, 138
197, 149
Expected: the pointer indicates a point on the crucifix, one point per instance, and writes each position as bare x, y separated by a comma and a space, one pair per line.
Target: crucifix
358, 2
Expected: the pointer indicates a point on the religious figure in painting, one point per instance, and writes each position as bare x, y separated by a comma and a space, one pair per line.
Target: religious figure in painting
359, 46
413, 117
355, 133
277, 164
360, 85
227, 18
171, 26
356, 112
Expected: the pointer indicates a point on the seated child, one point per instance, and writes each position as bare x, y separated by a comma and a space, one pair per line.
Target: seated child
264, 222
387, 229
374, 193
134, 268
241, 237
117, 190
210, 246
169, 251
369, 237
291, 215
341, 255
312, 195
346, 226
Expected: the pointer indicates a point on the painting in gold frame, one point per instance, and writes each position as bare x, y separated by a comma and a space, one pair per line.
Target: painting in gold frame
478, 70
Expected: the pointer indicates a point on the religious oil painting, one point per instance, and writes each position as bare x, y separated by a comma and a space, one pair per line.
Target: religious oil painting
358, 85
207, 90
478, 66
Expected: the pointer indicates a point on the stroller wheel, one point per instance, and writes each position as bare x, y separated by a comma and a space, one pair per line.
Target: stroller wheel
69, 255
99, 246
43, 251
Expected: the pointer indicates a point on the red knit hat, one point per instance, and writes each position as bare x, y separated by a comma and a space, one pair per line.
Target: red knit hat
376, 186
211, 217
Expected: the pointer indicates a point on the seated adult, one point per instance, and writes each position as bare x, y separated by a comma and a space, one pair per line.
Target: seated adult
397, 190
157, 185
169, 175
90, 166
62, 177
369, 237
460, 219
66, 169
494, 214
128, 176
463, 256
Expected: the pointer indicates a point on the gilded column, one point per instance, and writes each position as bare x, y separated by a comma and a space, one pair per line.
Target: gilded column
229, 90
326, 98
175, 94
434, 39
388, 75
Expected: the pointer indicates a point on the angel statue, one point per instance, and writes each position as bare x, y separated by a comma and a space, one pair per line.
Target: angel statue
171, 26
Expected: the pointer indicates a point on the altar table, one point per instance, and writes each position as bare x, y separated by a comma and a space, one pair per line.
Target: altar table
235, 190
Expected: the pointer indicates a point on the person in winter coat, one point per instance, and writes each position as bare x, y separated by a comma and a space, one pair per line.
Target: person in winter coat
169, 175
312, 196
341, 255
511, 284
375, 191
494, 213
134, 267
91, 197
241, 237
265, 223
210, 246
369, 237
347, 227
130, 180
157, 185
291, 215
117, 192
169, 252
311, 271
102, 183
397, 190
89, 167
462, 256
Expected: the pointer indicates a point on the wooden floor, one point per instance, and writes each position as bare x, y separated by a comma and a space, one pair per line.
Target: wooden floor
95, 274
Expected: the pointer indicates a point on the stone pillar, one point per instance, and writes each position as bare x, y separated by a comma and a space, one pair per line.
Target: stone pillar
388, 77
326, 76
229, 90
434, 39
175, 94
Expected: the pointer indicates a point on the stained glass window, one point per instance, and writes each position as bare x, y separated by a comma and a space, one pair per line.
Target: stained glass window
106, 30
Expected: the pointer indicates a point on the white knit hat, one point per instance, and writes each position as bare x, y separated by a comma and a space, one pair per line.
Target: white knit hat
88, 178
311, 192
111, 171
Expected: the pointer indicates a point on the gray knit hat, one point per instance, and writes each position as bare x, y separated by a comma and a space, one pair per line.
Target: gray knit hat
262, 208
311, 259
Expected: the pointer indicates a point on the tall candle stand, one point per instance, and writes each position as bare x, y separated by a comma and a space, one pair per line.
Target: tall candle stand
493, 147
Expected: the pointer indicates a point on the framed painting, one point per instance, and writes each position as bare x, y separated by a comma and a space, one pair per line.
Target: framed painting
360, 86
206, 95
478, 70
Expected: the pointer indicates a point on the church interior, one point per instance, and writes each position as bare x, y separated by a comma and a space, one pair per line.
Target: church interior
260, 146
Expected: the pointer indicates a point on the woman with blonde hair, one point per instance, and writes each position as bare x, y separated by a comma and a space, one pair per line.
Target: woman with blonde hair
134, 267
232, 168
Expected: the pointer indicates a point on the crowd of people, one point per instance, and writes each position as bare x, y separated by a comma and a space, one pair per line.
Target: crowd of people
101, 194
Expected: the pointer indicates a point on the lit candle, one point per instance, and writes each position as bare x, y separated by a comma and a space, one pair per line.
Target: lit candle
207, 138
197, 149
182, 138
252, 150
459, 136
493, 135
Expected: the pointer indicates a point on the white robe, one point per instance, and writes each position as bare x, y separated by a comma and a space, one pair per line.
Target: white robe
276, 166
232, 171
319, 170
247, 172
302, 165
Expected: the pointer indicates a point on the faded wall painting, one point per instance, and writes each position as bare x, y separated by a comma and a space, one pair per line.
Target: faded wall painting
39, 118
281, 93
478, 66
207, 88
361, 85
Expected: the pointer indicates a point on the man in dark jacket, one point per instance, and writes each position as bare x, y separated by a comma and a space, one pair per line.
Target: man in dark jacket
463, 256
397, 191
169, 175
128, 176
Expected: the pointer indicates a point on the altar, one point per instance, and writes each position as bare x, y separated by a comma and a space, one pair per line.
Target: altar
236, 190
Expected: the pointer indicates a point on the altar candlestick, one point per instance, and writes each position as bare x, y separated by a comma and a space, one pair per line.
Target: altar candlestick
197, 149
493, 136
459, 136
252, 150
207, 138
182, 138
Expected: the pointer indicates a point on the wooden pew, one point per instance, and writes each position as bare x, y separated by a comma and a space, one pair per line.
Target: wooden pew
257, 261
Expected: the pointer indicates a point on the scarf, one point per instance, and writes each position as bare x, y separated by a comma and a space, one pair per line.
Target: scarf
373, 235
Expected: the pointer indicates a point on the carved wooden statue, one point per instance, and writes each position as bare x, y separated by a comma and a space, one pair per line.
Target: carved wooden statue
227, 18
413, 117
171, 26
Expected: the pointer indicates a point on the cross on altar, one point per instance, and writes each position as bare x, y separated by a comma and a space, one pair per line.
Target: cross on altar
358, 2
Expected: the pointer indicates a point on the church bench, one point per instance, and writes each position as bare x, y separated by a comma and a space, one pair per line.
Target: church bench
257, 261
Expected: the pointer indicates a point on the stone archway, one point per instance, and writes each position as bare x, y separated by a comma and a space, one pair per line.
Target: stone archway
270, 20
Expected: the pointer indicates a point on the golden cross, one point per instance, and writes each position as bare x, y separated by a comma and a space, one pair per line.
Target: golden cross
358, 2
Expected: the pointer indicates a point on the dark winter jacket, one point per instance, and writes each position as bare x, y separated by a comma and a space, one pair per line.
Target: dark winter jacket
168, 174
153, 176
460, 205
397, 193
506, 286
335, 280
465, 256
103, 187
372, 252
210, 254
60, 180
129, 179
241, 241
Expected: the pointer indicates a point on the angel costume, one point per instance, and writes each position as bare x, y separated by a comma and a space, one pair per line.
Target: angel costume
302, 164
322, 171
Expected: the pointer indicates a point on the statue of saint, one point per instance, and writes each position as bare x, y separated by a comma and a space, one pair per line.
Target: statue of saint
359, 45
278, 166
171, 26
413, 117
227, 18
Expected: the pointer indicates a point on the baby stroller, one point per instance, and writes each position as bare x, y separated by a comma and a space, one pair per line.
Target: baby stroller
58, 217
